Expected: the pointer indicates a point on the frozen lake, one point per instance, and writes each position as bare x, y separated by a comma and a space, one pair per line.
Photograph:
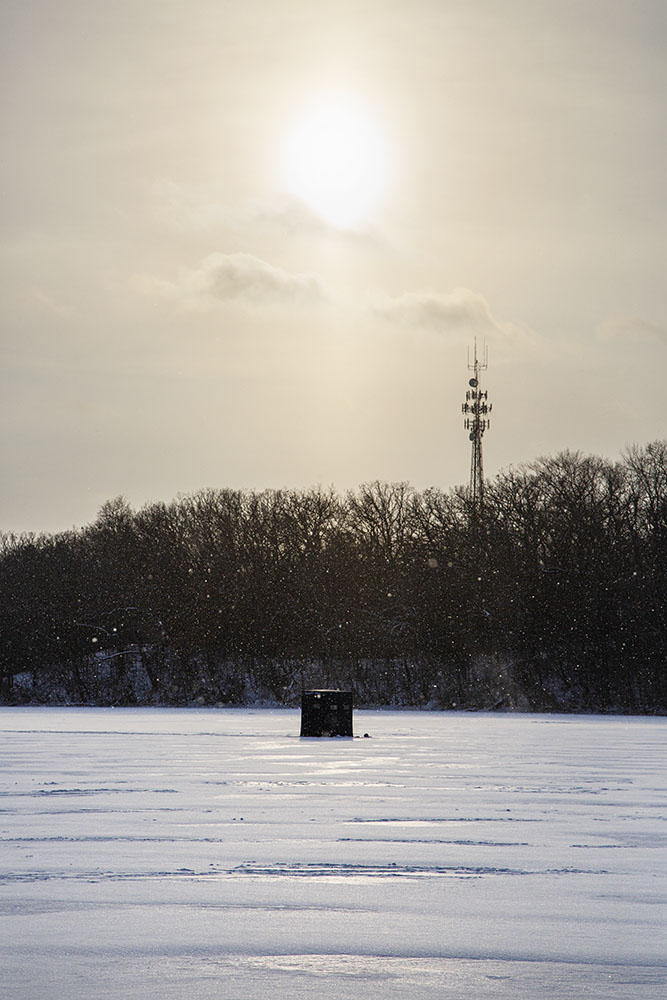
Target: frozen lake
152, 853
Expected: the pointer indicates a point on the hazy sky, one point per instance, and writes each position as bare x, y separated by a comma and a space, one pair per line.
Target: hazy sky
248, 244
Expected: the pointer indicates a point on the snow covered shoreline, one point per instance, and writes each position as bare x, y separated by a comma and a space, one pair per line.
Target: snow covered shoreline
159, 852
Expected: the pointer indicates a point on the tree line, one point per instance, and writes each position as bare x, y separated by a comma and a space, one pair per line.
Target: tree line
550, 596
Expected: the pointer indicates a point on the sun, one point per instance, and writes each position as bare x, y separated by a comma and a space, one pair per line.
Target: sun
336, 160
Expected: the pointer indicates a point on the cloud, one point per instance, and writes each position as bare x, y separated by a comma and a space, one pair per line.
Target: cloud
50, 303
631, 328
190, 207
459, 310
242, 276
238, 277
296, 218
441, 312
459, 314
201, 208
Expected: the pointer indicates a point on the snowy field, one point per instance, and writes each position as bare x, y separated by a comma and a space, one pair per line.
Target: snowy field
151, 853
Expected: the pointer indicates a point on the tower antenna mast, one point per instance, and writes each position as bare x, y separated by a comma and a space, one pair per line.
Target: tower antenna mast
476, 410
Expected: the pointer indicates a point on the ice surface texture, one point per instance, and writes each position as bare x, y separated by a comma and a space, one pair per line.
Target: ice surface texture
152, 853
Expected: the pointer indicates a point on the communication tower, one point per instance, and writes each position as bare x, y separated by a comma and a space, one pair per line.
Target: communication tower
476, 410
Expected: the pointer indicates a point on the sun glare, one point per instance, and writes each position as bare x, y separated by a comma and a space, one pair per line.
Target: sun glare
336, 160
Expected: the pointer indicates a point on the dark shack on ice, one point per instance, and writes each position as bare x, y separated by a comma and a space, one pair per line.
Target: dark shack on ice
326, 713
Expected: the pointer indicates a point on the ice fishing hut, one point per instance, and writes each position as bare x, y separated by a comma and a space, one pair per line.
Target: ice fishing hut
326, 713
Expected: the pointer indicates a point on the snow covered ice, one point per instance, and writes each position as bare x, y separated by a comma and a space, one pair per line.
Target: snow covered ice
163, 853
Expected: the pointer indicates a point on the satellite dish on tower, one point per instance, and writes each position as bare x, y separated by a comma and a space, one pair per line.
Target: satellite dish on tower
473, 383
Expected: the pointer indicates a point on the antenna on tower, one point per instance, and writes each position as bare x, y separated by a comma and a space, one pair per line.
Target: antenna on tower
476, 410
